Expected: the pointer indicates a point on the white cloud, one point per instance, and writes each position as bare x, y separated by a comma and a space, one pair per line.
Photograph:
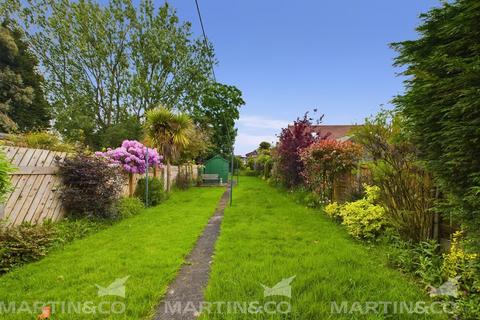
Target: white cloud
262, 123
248, 142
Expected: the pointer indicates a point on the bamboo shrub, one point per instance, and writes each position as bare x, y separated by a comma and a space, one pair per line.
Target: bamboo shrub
406, 190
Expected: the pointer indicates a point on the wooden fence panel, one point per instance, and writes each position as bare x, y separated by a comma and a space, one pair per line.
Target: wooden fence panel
34, 184
160, 173
34, 196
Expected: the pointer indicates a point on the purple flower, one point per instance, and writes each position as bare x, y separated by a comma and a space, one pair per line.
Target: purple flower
132, 156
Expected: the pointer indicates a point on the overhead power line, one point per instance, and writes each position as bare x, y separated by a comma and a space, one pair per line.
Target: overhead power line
205, 40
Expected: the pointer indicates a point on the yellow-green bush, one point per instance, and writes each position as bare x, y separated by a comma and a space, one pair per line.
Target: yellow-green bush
457, 261
363, 218
46, 140
39, 140
465, 267
334, 211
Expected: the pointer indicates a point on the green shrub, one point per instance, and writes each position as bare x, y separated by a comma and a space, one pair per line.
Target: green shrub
312, 200
267, 168
45, 140
433, 269
400, 253
5, 169
91, 186
250, 163
129, 128
23, 243
429, 263
156, 192
128, 207
249, 173
467, 307
303, 196
238, 163
184, 178
68, 230
420, 259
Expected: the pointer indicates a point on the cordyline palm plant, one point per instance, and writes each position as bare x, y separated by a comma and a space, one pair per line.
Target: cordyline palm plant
170, 133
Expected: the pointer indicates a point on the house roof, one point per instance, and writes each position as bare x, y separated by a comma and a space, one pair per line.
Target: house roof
251, 154
335, 131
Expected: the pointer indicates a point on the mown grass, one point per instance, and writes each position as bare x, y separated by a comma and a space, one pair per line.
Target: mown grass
266, 237
149, 248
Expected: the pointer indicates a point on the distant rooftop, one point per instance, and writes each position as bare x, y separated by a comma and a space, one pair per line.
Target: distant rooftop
335, 131
254, 153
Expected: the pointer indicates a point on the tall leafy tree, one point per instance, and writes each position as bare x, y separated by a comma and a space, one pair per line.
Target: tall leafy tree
107, 62
37, 115
171, 68
217, 111
11, 85
264, 145
442, 101
23, 104
198, 147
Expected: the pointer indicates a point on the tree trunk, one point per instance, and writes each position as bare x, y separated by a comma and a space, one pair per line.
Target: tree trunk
130, 185
168, 176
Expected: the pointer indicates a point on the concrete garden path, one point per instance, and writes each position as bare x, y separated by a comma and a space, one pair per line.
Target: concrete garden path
288, 261
185, 294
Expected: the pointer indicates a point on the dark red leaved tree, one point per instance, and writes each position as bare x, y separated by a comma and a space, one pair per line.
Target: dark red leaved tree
291, 141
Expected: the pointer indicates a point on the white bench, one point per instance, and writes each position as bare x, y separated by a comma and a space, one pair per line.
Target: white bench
210, 178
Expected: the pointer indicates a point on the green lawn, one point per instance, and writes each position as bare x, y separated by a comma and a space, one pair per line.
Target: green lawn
267, 237
150, 248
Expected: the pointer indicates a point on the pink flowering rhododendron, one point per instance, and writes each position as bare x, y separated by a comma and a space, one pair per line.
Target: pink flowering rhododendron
131, 156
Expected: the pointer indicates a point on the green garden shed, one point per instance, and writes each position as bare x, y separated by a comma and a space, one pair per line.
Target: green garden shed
217, 165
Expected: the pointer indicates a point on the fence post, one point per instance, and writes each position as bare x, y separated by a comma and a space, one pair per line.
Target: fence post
164, 178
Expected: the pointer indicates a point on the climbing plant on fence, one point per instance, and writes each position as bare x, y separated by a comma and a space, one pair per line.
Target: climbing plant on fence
326, 160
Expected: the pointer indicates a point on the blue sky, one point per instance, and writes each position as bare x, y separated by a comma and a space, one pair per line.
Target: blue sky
288, 57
